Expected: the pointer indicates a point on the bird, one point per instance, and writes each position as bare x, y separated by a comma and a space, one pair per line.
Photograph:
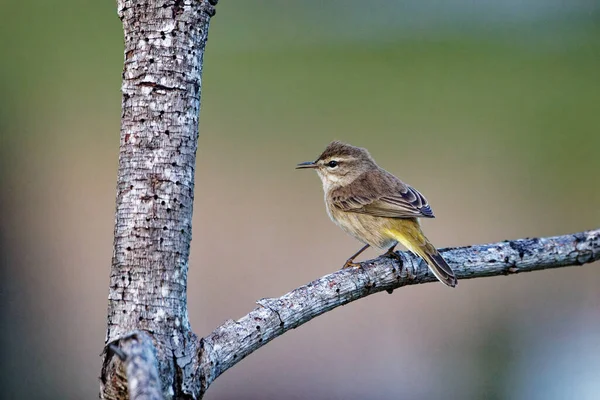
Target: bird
375, 207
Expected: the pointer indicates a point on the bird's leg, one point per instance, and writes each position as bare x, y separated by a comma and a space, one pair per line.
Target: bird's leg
350, 262
392, 254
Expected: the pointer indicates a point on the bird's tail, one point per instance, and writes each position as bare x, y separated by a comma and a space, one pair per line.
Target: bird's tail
408, 233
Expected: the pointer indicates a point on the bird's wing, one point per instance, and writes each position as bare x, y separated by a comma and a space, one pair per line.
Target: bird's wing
382, 195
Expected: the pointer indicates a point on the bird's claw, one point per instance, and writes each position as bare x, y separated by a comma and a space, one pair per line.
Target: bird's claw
394, 255
350, 264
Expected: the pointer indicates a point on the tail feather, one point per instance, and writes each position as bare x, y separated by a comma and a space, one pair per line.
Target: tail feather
408, 233
439, 266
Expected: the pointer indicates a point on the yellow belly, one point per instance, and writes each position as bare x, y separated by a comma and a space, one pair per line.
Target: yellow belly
376, 231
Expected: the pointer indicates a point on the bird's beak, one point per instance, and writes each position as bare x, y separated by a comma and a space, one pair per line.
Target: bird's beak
308, 164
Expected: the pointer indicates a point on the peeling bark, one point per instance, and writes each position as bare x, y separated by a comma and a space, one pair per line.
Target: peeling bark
138, 355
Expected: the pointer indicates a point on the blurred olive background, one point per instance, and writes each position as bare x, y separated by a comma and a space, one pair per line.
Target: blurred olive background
491, 109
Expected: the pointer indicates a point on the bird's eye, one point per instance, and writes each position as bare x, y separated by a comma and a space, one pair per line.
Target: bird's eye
332, 164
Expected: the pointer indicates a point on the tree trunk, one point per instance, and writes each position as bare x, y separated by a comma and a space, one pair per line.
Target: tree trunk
164, 48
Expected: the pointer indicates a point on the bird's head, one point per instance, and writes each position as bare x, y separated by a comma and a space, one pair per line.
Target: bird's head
340, 164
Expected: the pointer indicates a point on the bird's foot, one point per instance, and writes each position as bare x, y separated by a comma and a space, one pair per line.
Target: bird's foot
392, 254
351, 264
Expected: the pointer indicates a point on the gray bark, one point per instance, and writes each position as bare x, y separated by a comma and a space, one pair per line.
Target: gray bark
139, 358
164, 48
150, 349
234, 340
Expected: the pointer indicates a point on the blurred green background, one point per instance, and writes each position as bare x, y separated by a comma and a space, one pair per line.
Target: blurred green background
491, 109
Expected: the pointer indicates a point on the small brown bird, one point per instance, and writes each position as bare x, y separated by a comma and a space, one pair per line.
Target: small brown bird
375, 207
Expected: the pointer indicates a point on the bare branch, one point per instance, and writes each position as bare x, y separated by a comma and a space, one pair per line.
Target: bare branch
141, 367
132, 365
234, 340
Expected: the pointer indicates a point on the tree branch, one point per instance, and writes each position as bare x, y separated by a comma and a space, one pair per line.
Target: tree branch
143, 381
234, 340
132, 365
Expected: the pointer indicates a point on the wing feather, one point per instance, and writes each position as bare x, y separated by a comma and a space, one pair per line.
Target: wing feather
381, 194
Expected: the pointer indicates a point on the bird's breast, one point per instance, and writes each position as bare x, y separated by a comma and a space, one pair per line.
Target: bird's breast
366, 228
